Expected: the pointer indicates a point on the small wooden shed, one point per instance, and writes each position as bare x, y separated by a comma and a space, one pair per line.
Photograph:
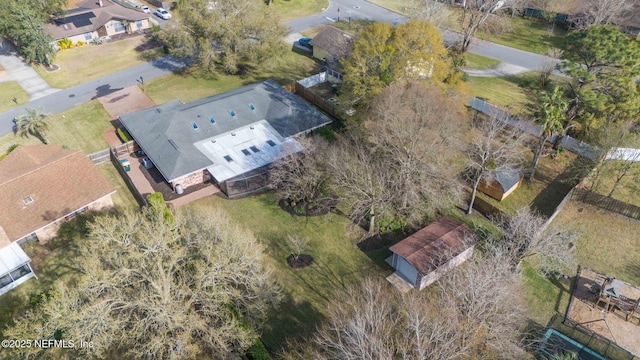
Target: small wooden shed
501, 184
425, 256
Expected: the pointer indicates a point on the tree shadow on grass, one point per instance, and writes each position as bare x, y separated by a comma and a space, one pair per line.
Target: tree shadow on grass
548, 199
291, 321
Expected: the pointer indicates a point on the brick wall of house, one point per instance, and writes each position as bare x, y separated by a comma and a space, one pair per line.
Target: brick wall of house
196, 178
50, 231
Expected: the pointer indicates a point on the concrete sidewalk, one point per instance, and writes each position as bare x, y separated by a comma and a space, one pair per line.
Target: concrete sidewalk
17, 69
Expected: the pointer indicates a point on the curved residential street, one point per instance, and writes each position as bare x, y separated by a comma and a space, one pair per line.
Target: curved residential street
52, 100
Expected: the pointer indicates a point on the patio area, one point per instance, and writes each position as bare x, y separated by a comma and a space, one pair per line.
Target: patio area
608, 307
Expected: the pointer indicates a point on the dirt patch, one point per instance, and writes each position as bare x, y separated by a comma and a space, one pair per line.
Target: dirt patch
589, 310
303, 260
125, 101
300, 208
50, 68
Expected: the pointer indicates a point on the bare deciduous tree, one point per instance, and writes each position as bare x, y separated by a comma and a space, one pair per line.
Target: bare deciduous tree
476, 14
301, 177
606, 11
399, 166
549, 64
474, 311
496, 148
523, 237
150, 289
415, 130
436, 12
297, 245
361, 180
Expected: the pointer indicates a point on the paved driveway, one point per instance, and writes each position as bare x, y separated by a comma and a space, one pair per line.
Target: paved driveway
18, 70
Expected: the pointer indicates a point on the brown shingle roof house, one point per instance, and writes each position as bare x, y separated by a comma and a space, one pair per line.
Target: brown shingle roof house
41, 186
425, 256
97, 18
332, 44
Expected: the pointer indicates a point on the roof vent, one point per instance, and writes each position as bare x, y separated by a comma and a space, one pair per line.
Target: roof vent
212, 120
233, 134
159, 110
251, 127
28, 200
194, 125
232, 113
252, 107
213, 141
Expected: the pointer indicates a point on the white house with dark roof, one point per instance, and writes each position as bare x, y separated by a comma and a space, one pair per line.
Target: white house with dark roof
228, 138
95, 19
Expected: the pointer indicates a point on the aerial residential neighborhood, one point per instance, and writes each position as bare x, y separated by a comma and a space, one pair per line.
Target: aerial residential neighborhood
314, 179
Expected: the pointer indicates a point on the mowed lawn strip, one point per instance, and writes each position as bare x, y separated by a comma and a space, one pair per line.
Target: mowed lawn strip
191, 85
295, 9
338, 262
10, 90
607, 242
89, 62
80, 127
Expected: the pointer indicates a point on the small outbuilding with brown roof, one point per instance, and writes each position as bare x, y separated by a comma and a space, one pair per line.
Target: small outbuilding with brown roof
41, 186
332, 44
425, 256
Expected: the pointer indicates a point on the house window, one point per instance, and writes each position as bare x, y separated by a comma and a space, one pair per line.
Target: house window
139, 24
251, 107
118, 26
87, 36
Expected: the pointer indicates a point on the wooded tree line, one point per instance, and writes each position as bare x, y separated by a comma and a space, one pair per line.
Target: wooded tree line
22, 22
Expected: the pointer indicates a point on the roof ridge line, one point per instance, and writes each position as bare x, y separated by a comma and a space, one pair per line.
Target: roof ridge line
42, 167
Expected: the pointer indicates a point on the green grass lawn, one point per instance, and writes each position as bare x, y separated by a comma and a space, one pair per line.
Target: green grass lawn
529, 34
545, 297
295, 9
123, 197
82, 64
192, 85
628, 190
338, 262
78, 128
607, 242
479, 62
10, 90
515, 93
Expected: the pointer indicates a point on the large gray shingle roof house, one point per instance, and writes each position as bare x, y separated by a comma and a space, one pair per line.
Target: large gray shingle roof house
225, 137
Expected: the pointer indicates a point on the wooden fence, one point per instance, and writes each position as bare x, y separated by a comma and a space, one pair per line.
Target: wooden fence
99, 157
132, 187
606, 203
315, 100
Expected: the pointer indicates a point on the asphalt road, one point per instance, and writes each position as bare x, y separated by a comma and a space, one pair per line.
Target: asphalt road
338, 9
77, 95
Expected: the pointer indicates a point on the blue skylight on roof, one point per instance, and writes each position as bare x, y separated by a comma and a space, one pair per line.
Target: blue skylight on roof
194, 125
232, 113
251, 107
246, 152
254, 149
271, 143
212, 120
228, 158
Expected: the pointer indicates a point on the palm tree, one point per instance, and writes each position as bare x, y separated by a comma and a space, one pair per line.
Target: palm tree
34, 122
550, 117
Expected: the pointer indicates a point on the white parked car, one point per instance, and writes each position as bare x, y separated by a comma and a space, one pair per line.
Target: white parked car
145, 9
163, 14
